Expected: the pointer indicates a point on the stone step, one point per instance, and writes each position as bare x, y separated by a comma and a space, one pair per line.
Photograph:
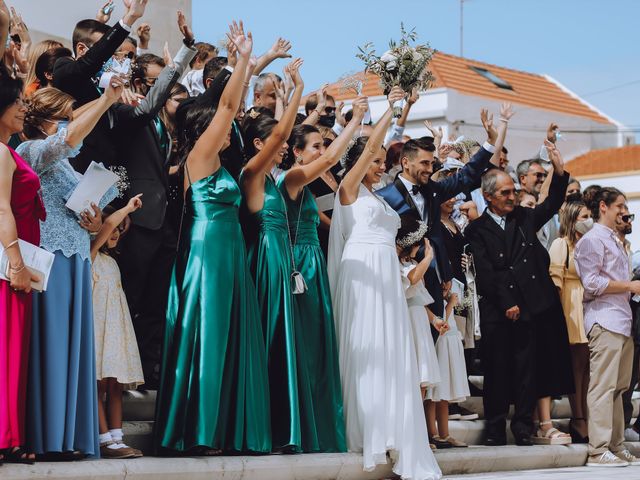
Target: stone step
328, 466
138, 405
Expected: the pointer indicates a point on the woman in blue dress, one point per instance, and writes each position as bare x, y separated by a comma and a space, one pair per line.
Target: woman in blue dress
62, 404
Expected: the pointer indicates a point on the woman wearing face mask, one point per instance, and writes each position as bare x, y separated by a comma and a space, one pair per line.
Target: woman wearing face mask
575, 221
63, 419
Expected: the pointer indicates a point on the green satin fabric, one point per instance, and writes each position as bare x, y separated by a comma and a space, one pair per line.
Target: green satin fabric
315, 330
214, 389
270, 263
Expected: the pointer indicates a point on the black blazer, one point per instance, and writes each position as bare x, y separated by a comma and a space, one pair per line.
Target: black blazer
512, 266
435, 194
75, 77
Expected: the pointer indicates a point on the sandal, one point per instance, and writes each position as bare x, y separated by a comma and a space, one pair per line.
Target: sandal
454, 443
552, 436
18, 455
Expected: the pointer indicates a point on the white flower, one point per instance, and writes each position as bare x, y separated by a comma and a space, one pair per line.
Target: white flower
416, 56
388, 57
391, 65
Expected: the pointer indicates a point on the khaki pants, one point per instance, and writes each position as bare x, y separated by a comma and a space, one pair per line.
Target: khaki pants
610, 356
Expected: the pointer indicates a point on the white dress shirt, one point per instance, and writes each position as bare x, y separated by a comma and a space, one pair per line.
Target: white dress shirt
501, 221
418, 199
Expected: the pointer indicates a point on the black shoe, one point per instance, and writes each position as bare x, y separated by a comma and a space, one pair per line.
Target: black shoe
495, 441
523, 440
440, 444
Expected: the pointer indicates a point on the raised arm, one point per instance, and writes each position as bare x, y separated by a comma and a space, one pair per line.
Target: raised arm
280, 49
506, 112
112, 222
303, 175
5, 21
321, 99
85, 120
417, 274
261, 162
348, 190
204, 159
550, 206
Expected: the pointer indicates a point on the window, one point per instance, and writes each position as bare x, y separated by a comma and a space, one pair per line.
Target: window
492, 77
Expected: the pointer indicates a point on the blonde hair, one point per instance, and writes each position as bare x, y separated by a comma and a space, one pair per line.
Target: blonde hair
568, 217
37, 50
45, 104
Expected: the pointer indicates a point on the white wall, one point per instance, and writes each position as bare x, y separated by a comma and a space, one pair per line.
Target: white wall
56, 18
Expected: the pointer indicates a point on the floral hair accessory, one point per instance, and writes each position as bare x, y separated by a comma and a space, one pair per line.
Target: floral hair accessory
414, 237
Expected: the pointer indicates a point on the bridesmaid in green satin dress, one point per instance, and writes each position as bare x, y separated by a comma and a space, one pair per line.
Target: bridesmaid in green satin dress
313, 313
214, 392
271, 265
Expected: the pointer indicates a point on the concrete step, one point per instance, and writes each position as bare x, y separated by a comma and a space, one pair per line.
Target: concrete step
343, 466
138, 405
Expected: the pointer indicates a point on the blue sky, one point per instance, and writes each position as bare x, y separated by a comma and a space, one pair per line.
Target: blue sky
588, 45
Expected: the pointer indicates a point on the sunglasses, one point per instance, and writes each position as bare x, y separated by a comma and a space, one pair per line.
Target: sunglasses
541, 175
628, 218
329, 110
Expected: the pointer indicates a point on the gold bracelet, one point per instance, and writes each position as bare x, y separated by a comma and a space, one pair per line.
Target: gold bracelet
15, 242
17, 270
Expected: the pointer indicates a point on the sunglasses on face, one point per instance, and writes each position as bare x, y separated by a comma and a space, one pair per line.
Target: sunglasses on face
329, 110
628, 218
540, 175
122, 55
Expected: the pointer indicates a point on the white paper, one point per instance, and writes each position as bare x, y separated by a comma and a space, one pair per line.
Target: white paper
457, 287
35, 258
326, 202
92, 187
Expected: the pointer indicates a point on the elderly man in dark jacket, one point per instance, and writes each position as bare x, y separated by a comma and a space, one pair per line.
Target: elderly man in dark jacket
520, 307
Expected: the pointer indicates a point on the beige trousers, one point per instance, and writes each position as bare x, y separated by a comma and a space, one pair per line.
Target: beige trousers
611, 358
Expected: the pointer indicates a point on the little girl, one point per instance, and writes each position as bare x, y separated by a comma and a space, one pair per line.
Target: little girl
454, 385
118, 364
409, 238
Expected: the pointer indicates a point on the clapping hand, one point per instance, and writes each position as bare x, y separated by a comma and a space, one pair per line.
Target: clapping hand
555, 157
395, 94
242, 42
487, 123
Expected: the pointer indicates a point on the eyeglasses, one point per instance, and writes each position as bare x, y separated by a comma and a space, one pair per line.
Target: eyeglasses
329, 110
540, 175
628, 218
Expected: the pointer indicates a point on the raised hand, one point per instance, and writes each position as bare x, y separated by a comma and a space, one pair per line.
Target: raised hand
105, 11
232, 54
242, 42
294, 72
506, 111
360, 107
555, 157
115, 89
413, 97
129, 97
144, 35
487, 123
552, 132
436, 132
280, 49
340, 120
135, 10
134, 203
166, 55
184, 28
395, 94
444, 150
321, 98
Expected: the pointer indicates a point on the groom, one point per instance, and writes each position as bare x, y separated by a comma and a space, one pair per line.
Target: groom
414, 193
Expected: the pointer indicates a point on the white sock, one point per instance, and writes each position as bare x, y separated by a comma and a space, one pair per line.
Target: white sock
105, 438
116, 434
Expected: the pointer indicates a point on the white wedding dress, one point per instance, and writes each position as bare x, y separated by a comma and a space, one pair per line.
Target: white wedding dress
378, 366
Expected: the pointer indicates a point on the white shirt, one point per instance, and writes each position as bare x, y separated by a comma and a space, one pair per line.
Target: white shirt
194, 82
501, 221
418, 199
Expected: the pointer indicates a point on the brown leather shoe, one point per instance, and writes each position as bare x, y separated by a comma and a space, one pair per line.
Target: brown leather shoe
116, 453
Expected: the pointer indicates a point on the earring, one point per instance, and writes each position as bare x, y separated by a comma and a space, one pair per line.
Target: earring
299, 159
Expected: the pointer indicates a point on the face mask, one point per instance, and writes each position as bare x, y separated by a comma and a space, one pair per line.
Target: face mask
583, 226
327, 120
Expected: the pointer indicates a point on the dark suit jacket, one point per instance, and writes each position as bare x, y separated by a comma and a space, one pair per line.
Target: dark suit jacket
75, 77
435, 194
512, 266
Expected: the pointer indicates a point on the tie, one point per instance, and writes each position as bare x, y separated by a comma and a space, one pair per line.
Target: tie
415, 189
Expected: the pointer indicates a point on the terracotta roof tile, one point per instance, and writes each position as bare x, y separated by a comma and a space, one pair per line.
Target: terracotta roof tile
610, 160
529, 89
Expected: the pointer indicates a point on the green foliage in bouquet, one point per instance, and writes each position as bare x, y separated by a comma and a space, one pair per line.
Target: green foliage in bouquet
403, 64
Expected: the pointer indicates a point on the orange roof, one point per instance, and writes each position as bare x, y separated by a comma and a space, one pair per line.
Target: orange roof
609, 160
528, 88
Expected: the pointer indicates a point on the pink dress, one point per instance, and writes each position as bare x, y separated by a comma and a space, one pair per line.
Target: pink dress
15, 310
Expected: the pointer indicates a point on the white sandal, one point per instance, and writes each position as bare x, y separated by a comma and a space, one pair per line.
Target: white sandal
553, 436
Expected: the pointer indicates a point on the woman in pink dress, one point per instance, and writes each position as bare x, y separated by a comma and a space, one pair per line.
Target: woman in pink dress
20, 212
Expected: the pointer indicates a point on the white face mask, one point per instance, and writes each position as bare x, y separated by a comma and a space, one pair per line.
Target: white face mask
583, 226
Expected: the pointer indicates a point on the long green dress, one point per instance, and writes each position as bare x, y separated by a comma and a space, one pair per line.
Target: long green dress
270, 263
315, 329
214, 389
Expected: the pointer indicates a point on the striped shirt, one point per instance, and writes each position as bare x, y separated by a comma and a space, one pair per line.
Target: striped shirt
600, 257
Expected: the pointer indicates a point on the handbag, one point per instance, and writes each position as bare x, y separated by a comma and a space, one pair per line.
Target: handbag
298, 283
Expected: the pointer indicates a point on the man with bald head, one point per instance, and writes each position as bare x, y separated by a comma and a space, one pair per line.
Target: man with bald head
518, 297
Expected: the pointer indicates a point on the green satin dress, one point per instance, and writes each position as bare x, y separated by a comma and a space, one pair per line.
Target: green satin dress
315, 328
270, 263
214, 389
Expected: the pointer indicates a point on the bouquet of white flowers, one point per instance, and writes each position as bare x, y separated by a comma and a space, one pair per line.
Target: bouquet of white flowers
402, 64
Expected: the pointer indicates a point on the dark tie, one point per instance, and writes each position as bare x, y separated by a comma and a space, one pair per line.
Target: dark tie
415, 189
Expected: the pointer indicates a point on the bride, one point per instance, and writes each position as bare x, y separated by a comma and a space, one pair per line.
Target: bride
378, 367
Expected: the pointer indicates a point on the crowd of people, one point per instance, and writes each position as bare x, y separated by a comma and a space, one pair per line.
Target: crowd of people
290, 282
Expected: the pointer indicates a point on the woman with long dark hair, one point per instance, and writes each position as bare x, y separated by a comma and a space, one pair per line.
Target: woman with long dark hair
214, 394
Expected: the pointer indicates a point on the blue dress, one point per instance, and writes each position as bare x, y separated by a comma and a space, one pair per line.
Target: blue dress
62, 403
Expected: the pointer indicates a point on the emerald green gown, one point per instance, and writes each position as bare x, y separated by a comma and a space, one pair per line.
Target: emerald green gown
214, 389
315, 329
